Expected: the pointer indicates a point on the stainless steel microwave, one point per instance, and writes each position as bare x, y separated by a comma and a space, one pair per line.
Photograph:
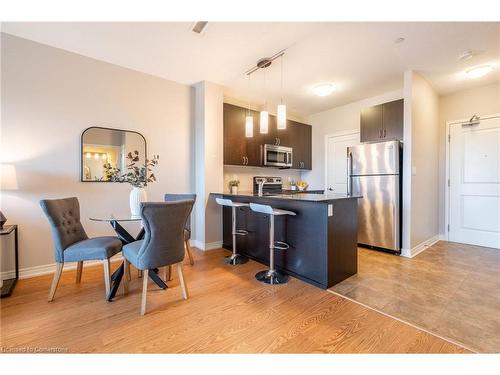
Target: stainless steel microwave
277, 156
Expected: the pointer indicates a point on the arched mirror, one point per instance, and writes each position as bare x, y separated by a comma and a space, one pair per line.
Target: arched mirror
105, 152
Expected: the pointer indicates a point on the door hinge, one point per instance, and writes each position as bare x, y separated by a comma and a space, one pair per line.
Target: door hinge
448, 227
448, 182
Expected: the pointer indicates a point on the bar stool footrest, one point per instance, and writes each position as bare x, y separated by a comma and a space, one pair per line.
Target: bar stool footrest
279, 245
240, 232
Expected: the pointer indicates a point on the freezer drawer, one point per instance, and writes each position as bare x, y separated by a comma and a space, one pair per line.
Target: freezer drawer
378, 211
374, 158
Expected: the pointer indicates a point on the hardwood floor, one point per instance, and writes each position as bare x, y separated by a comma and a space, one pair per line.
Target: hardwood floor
228, 312
450, 289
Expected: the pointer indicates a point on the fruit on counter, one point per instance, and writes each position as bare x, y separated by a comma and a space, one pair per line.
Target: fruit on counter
302, 185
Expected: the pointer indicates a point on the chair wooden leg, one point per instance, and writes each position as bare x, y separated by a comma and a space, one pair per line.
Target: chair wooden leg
166, 273
126, 276
79, 268
145, 277
189, 253
170, 272
107, 280
129, 274
55, 281
185, 293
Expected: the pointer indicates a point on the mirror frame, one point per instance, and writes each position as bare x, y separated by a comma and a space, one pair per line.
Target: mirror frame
105, 128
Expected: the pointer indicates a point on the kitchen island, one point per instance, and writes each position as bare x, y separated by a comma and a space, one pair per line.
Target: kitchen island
322, 236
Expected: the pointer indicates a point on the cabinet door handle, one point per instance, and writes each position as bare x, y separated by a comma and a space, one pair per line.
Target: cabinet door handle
384, 133
380, 133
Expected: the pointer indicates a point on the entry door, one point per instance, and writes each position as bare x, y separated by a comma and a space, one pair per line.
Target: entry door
474, 214
337, 161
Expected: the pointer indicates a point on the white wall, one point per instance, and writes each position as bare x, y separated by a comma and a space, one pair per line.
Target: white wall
343, 118
424, 117
209, 143
245, 176
49, 96
483, 100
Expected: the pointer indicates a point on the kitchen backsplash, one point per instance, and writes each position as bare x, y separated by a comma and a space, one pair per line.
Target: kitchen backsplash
245, 176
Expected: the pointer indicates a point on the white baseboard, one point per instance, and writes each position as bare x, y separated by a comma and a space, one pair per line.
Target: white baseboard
206, 246
410, 253
46, 269
443, 237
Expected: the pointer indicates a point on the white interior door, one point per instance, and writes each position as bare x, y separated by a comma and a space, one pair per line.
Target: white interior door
474, 214
336, 161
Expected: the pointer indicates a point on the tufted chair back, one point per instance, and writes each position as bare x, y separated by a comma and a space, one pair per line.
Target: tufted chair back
164, 233
64, 218
182, 197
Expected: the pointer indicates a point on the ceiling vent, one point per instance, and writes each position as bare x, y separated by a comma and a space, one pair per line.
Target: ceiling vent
199, 26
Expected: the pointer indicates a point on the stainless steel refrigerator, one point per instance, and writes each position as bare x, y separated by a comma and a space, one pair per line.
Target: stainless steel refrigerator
374, 173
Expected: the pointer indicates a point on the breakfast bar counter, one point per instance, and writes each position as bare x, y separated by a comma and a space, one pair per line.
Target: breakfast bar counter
322, 236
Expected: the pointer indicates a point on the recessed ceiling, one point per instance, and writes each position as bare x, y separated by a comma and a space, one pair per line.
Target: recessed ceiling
361, 59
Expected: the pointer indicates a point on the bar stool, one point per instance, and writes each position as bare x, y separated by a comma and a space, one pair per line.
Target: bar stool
272, 276
234, 258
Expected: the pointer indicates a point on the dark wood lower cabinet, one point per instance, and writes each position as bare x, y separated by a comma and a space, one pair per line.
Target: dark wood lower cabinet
323, 249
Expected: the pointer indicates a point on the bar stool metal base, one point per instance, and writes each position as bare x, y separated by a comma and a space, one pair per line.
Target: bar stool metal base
271, 277
235, 259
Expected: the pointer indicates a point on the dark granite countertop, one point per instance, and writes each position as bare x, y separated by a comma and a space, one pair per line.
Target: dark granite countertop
306, 197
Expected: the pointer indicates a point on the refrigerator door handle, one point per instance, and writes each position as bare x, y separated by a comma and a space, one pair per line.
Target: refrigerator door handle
349, 173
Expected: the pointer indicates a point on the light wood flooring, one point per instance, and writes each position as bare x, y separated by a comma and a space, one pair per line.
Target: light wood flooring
450, 289
228, 312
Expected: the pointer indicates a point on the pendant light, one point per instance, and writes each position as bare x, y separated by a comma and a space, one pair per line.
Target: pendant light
249, 117
264, 115
281, 110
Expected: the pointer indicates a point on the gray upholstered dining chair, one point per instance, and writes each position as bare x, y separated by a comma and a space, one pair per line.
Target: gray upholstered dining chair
163, 243
187, 227
71, 243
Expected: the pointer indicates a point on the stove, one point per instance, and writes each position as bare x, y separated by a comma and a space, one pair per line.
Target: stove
271, 185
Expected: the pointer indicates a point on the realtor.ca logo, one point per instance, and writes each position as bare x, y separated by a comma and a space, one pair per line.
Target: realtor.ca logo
32, 349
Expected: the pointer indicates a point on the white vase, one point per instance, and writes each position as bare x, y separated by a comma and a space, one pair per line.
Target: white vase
137, 195
234, 190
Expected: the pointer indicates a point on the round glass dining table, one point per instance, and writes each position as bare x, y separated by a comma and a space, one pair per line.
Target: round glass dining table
126, 238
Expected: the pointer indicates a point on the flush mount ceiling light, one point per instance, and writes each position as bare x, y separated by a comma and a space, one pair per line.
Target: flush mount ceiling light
478, 71
323, 89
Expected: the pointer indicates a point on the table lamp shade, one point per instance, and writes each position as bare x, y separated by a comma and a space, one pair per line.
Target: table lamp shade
8, 177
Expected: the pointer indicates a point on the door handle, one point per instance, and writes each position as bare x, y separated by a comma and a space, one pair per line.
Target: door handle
349, 172
330, 189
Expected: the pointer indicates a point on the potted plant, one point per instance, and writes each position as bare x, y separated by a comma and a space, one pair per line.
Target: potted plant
233, 186
137, 176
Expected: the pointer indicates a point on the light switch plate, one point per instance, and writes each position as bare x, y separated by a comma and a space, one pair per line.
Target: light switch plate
330, 210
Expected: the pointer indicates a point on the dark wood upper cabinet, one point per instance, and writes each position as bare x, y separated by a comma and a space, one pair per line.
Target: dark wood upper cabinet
382, 122
393, 120
371, 123
239, 150
300, 136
